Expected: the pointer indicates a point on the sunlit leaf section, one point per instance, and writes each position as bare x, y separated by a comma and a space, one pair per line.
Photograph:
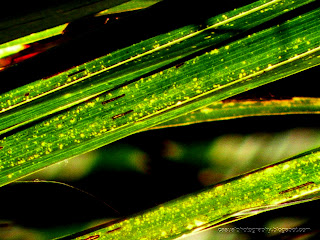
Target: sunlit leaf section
225, 110
213, 76
265, 189
47, 96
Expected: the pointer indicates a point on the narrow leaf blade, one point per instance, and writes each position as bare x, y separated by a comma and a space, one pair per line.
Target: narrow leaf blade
226, 110
289, 182
146, 102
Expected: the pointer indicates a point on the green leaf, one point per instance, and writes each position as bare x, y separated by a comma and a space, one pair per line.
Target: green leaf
289, 182
22, 18
129, 6
226, 110
47, 96
109, 106
17, 45
14, 46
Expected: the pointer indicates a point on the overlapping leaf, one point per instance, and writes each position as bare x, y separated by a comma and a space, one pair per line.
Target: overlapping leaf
225, 110
101, 108
293, 181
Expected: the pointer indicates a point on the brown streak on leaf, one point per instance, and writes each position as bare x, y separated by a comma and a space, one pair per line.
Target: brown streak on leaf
295, 188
